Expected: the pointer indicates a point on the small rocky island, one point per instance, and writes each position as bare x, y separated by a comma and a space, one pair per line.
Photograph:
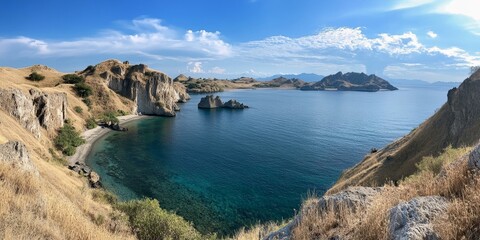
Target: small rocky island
210, 102
351, 82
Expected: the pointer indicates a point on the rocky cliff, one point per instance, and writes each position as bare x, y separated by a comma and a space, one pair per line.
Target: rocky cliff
36, 109
351, 82
152, 92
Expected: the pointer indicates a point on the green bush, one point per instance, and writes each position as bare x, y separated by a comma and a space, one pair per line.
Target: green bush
72, 78
149, 221
87, 102
78, 109
34, 76
109, 117
82, 89
91, 123
68, 139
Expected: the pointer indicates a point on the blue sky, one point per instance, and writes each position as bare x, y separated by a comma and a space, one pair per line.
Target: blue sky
410, 39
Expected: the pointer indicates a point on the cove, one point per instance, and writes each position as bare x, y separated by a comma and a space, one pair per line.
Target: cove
224, 169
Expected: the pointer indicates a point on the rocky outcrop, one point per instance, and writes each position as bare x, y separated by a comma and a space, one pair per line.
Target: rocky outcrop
94, 180
412, 220
353, 198
351, 82
16, 153
210, 102
35, 109
153, 92
474, 159
282, 82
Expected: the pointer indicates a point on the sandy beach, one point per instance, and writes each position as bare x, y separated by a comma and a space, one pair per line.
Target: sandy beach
92, 135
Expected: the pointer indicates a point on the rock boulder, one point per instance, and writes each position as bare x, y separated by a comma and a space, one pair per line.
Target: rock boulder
412, 220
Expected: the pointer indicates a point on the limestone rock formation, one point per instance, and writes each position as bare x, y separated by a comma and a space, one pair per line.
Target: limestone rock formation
234, 104
353, 198
412, 219
16, 153
351, 82
153, 92
210, 102
474, 159
36, 109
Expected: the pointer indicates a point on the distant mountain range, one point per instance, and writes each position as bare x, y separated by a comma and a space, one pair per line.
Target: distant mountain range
421, 83
312, 77
307, 77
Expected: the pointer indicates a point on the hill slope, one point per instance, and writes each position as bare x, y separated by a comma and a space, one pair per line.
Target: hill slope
457, 123
351, 82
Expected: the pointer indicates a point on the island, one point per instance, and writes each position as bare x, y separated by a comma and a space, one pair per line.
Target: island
351, 82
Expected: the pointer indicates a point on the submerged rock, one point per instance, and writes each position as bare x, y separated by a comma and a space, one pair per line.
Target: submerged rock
412, 219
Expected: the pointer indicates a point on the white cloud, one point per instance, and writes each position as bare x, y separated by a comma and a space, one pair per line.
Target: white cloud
195, 67
466, 8
432, 34
217, 70
404, 4
148, 36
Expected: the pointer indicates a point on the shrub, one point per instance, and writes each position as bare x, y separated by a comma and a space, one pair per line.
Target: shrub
87, 102
109, 117
72, 78
149, 221
83, 90
78, 109
68, 139
34, 76
91, 123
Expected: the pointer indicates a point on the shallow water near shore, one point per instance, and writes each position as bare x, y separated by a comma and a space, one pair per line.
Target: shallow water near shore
223, 169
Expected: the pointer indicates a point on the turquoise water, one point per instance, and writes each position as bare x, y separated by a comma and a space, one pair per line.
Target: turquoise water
224, 169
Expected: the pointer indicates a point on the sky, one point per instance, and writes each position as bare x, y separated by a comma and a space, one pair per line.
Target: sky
410, 39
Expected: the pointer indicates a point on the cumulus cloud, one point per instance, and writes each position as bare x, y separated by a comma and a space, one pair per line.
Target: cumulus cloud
145, 35
195, 67
351, 45
432, 34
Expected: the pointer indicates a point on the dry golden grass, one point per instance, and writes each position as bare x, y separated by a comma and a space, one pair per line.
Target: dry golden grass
258, 231
371, 222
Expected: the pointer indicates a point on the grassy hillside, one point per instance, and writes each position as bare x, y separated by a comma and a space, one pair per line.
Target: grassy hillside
456, 123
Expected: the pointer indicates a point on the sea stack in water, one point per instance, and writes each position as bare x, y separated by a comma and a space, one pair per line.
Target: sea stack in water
210, 102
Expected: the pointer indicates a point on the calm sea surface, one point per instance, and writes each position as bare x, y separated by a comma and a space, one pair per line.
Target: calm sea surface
224, 169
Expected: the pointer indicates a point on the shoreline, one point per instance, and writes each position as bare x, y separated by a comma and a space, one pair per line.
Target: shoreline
92, 135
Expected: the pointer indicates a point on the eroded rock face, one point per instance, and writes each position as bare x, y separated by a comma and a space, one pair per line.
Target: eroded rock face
153, 92
36, 109
412, 220
474, 159
210, 102
352, 198
16, 153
